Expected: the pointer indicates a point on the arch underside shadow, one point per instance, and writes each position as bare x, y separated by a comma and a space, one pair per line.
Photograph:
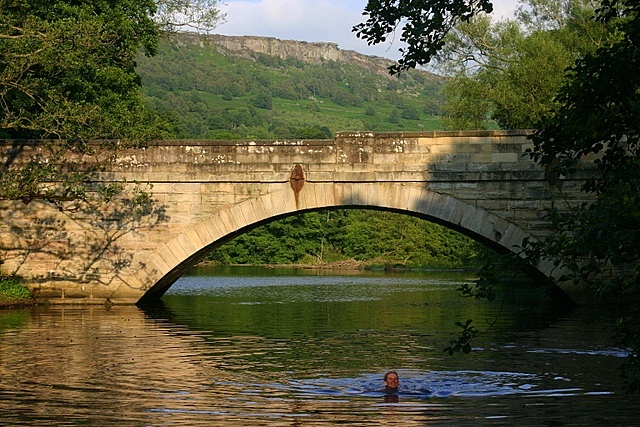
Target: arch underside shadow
172, 260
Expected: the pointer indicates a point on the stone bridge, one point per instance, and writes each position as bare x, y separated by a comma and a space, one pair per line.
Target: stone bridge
208, 192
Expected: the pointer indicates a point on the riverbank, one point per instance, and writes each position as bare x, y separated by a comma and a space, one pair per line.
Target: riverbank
349, 264
7, 303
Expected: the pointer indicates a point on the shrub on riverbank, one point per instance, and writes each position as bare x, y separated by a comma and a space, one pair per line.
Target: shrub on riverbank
12, 292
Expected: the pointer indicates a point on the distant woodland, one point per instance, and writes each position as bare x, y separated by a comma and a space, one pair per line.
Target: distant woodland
381, 239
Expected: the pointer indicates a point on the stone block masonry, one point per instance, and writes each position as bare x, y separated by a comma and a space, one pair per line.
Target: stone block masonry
479, 183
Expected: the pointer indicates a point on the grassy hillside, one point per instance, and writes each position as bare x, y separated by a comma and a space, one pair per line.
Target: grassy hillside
213, 93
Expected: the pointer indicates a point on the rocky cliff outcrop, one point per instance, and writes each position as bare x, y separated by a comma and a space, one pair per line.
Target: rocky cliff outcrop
303, 51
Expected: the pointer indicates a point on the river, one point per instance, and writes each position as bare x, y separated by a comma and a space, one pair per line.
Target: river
272, 347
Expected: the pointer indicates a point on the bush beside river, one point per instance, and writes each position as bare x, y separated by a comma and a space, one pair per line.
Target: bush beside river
13, 293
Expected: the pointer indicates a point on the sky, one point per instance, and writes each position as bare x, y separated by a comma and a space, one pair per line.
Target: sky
313, 21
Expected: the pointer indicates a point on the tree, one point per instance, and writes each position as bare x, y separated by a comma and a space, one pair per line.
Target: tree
68, 76
263, 100
68, 67
467, 106
314, 132
200, 15
424, 23
600, 116
394, 116
509, 71
410, 113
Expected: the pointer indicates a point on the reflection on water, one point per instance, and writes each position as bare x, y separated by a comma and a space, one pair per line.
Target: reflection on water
271, 349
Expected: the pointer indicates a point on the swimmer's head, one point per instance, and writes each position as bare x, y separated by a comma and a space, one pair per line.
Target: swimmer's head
391, 380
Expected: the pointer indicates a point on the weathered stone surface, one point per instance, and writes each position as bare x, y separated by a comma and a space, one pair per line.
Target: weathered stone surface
475, 182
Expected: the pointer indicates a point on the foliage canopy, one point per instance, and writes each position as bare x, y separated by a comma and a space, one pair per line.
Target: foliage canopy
510, 70
68, 68
68, 75
373, 237
424, 23
599, 118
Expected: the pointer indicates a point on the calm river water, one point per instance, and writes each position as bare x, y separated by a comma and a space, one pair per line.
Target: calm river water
281, 348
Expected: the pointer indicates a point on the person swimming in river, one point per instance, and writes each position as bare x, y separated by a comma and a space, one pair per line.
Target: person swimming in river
391, 382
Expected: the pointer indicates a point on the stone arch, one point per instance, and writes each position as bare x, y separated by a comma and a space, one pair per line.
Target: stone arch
170, 261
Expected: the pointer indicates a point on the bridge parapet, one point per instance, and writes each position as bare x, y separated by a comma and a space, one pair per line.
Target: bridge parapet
480, 183
412, 155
